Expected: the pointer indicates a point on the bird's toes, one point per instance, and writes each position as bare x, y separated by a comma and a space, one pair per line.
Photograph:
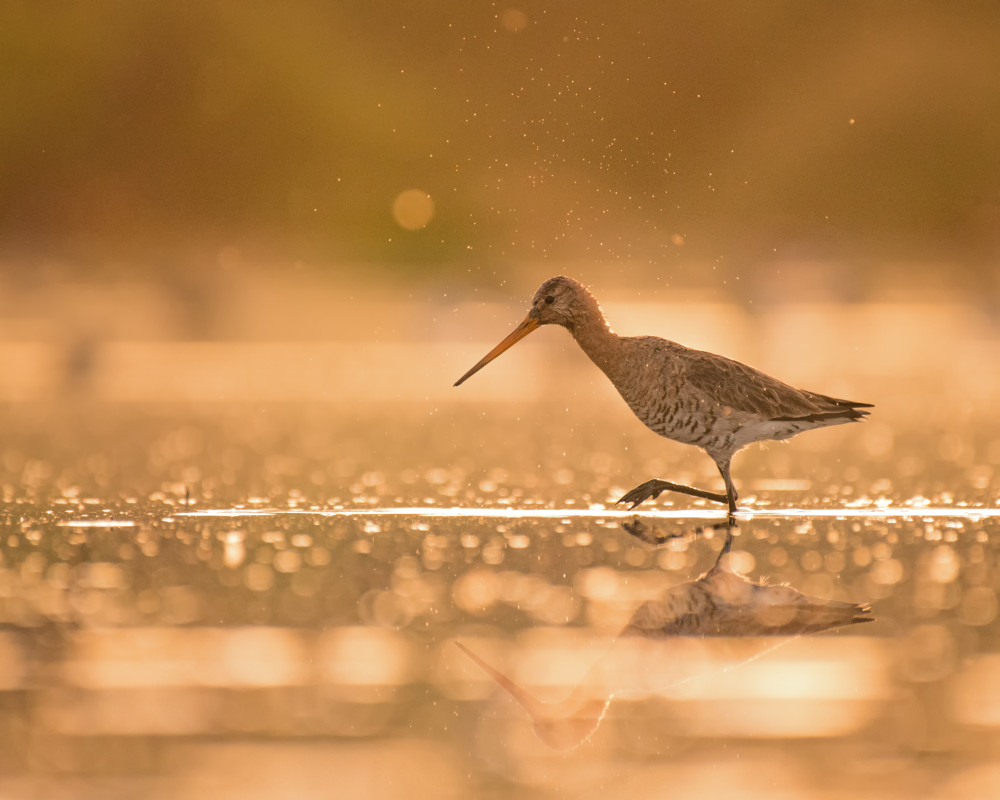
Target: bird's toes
648, 534
642, 497
629, 498
646, 491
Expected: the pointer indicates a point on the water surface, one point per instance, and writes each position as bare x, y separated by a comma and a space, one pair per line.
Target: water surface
265, 602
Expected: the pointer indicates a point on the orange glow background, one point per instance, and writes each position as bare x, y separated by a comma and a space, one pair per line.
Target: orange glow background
246, 249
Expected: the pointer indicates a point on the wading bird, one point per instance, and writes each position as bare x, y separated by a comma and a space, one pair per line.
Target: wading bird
690, 396
731, 619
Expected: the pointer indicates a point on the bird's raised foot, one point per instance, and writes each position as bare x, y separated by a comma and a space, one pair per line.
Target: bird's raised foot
652, 489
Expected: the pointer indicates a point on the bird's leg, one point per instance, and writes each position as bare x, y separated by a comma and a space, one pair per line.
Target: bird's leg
652, 489
730, 489
728, 544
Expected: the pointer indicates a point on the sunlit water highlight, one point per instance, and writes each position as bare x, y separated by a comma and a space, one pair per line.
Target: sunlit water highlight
884, 512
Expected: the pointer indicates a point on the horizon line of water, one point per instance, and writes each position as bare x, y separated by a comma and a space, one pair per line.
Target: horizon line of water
881, 512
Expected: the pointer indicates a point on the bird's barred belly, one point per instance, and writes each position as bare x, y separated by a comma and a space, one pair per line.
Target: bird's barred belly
688, 422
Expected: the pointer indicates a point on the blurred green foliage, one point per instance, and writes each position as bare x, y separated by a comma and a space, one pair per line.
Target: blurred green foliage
634, 131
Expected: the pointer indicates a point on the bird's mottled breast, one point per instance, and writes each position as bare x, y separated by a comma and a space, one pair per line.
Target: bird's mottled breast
650, 378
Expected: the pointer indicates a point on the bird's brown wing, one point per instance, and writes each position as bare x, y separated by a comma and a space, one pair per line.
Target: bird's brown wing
749, 390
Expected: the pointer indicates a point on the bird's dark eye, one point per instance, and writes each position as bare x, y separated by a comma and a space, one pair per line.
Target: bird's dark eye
549, 299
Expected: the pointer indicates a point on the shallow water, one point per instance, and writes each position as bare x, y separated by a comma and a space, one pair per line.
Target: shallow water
264, 602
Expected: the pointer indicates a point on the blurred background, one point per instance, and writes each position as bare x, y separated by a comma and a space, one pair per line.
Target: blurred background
362, 172
246, 249
355, 172
799, 149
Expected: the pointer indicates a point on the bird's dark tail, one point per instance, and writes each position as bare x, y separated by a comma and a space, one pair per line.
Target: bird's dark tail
846, 410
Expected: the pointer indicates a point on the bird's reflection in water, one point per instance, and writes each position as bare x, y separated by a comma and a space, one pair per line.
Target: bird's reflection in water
657, 648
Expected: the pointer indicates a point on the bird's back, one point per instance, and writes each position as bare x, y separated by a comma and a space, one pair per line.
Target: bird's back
715, 402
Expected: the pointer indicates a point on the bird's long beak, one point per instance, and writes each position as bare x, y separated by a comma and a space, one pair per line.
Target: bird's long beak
522, 330
534, 707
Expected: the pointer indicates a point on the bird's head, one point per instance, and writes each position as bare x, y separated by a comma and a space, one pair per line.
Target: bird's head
558, 301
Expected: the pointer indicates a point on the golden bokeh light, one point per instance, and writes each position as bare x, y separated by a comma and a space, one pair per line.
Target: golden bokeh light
514, 20
413, 209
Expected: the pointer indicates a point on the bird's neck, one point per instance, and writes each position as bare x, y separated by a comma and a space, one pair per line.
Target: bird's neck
595, 337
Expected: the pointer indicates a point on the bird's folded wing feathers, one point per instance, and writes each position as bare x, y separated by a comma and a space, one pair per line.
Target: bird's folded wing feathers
746, 389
